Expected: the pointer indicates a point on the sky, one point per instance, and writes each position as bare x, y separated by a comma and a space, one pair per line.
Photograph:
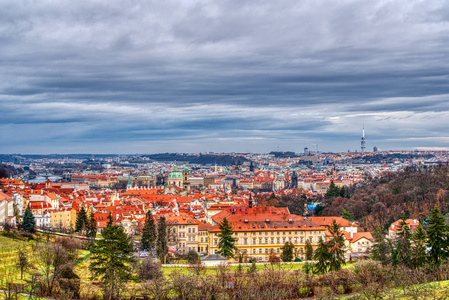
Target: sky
223, 76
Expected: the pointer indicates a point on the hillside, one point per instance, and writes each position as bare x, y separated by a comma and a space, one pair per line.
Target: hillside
413, 191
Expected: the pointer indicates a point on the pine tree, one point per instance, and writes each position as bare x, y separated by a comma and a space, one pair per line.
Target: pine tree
418, 253
401, 252
110, 220
337, 247
287, 252
332, 190
226, 243
380, 250
111, 260
438, 236
309, 250
81, 220
321, 255
161, 247
92, 227
28, 220
149, 233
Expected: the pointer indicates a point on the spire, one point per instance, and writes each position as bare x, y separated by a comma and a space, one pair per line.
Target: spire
362, 143
250, 201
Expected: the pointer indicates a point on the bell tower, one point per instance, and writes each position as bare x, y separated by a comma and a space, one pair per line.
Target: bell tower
186, 181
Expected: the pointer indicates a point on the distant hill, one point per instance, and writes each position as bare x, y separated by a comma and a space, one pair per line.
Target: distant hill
203, 159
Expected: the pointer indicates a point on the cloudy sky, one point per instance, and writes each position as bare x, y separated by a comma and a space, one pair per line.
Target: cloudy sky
194, 76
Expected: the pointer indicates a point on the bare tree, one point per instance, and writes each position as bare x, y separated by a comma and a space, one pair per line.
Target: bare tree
22, 261
52, 259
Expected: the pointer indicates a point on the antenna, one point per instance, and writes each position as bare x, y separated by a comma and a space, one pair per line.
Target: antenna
363, 142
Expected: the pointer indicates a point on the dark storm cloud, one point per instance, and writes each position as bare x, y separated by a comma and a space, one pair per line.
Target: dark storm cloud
96, 76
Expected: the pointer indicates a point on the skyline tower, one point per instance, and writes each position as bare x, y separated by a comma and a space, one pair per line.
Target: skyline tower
362, 143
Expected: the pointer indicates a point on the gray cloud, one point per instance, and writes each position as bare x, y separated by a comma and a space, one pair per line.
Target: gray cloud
95, 76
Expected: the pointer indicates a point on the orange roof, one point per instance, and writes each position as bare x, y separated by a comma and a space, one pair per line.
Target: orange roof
413, 224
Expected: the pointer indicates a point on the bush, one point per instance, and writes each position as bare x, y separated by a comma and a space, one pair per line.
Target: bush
192, 257
149, 270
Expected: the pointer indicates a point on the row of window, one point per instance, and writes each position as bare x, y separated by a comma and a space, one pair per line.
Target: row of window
278, 240
277, 233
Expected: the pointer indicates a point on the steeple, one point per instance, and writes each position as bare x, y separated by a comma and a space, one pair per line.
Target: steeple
129, 181
250, 201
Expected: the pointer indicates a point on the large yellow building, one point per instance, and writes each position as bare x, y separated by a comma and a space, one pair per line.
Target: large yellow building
261, 231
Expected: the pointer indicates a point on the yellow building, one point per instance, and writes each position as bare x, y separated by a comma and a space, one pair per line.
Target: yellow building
63, 218
259, 234
182, 233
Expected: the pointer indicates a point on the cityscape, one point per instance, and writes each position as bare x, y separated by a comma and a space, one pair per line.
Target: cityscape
224, 150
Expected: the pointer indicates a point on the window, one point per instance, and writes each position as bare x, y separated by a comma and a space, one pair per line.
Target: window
266, 240
193, 230
189, 230
245, 241
272, 240
260, 251
254, 251
254, 241
310, 240
215, 242
278, 240
266, 250
201, 240
278, 250
302, 240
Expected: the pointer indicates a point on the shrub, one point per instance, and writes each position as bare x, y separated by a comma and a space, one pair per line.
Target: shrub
149, 270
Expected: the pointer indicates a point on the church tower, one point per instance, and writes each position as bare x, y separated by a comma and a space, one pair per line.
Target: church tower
186, 181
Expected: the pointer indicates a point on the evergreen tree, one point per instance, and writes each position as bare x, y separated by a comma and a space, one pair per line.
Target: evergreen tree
287, 252
337, 247
28, 220
332, 190
321, 255
149, 233
81, 220
226, 243
401, 252
347, 215
111, 260
110, 220
343, 193
161, 247
309, 250
418, 253
92, 227
380, 250
438, 236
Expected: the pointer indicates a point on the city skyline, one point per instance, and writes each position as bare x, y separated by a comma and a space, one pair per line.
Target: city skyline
231, 76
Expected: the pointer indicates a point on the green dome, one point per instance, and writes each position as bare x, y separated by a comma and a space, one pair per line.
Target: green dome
281, 175
175, 175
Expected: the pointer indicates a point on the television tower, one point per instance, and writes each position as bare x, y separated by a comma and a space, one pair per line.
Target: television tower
362, 143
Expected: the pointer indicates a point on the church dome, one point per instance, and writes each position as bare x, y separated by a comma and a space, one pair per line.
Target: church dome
175, 175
